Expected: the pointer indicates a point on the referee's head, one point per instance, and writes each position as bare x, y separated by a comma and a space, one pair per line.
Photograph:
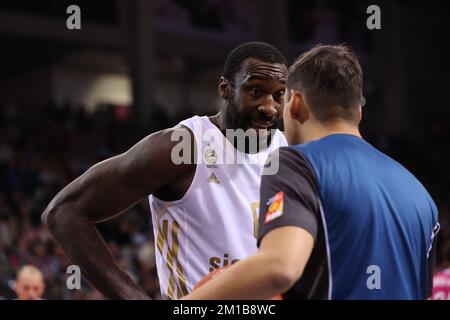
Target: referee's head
324, 88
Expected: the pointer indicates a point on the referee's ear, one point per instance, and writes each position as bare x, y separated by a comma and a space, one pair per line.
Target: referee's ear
298, 109
360, 114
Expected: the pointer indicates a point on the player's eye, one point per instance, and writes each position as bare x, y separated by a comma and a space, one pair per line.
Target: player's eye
279, 96
255, 92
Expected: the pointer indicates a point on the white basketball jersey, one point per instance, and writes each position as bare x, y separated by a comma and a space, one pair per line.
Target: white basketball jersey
216, 221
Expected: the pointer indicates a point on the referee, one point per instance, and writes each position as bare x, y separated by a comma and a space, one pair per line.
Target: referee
340, 219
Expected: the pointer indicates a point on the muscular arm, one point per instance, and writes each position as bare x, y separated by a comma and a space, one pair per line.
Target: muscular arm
287, 232
277, 265
104, 191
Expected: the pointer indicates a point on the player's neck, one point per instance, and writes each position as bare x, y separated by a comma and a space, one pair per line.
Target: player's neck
314, 130
218, 121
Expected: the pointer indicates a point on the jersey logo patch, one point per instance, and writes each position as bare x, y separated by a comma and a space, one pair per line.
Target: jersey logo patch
213, 178
275, 209
210, 155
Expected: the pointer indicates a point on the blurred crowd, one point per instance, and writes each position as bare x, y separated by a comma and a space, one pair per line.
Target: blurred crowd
43, 149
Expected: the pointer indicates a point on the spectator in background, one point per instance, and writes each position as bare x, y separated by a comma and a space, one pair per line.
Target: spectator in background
29, 283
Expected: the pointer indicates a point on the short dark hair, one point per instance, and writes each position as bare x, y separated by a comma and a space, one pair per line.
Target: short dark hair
331, 80
255, 49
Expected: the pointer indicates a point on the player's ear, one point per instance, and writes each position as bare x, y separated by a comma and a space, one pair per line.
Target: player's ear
224, 88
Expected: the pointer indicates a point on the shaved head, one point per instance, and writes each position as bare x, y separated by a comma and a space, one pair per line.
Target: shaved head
29, 283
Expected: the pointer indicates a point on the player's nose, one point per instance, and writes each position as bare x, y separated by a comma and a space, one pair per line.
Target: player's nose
268, 107
268, 110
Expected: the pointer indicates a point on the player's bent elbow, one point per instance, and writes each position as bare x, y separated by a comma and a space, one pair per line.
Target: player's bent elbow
55, 215
281, 275
50, 215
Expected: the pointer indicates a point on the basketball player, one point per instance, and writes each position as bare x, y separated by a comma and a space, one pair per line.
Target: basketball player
340, 220
29, 283
204, 210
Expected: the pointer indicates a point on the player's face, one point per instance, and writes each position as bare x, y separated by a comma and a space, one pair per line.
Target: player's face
256, 97
29, 287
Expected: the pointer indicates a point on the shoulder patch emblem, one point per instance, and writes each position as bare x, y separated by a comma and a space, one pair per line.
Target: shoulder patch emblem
275, 209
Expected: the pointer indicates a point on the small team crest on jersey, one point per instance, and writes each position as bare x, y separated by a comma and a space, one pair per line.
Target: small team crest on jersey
210, 156
275, 209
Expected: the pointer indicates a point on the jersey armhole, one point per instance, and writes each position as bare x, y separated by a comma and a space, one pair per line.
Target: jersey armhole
195, 176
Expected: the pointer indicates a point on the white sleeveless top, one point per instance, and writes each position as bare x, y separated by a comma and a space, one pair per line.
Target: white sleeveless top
216, 221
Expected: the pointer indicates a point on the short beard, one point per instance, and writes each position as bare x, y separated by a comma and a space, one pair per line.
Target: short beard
234, 122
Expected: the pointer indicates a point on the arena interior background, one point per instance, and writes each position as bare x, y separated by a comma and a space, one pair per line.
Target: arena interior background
70, 98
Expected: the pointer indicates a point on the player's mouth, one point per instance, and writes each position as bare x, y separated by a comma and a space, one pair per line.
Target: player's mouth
261, 124
262, 127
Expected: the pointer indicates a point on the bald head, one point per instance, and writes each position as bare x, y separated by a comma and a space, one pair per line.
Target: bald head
29, 283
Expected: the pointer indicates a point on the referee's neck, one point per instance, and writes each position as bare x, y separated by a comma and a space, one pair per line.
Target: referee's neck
314, 130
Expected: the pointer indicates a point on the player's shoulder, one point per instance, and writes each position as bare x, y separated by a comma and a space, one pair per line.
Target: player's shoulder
166, 139
174, 131
172, 147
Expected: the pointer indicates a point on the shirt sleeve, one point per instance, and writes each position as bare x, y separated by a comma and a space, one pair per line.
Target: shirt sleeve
289, 197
